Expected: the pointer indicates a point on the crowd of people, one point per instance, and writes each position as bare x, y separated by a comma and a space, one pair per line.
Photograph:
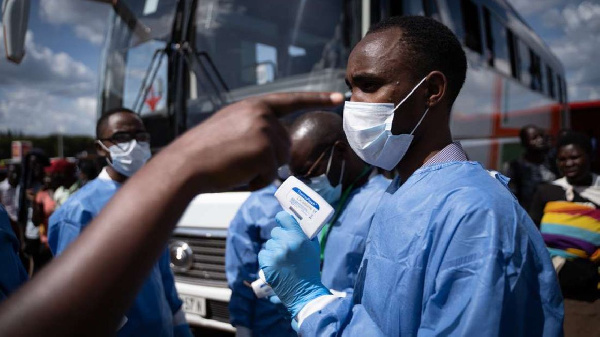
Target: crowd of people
445, 248
34, 187
562, 195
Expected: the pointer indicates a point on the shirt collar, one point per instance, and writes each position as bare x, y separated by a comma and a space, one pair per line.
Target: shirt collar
452, 152
104, 175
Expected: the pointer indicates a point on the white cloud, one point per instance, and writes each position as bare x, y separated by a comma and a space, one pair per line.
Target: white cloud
88, 18
577, 46
37, 112
42, 68
47, 91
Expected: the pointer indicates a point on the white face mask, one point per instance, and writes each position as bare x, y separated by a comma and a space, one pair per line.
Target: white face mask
128, 161
323, 187
368, 127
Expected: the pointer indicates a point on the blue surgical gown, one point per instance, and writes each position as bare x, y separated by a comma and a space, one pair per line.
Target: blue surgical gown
450, 252
346, 242
12, 272
151, 313
249, 230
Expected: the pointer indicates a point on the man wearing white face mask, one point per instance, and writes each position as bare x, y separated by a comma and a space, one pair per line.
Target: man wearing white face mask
450, 251
122, 139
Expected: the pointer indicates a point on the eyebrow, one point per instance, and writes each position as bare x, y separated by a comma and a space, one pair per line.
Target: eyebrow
363, 77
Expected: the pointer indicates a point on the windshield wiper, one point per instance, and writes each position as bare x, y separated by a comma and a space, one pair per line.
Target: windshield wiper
198, 60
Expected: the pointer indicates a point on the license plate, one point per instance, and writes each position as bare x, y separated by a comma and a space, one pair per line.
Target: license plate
194, 305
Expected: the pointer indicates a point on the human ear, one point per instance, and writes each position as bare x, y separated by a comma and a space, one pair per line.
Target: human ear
100, 150
437, 84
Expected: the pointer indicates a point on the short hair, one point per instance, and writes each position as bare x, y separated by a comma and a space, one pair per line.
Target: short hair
523, 133
324, 128
101, 124
575, 138
434, 47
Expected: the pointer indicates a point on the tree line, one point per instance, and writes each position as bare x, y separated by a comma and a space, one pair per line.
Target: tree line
72, 144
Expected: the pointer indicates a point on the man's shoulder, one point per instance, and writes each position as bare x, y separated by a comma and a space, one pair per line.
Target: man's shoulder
473, 187
91, 197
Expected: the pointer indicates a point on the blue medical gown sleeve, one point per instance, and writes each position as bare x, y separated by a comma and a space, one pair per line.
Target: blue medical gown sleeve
489, 281
476, 268
169, 282
63, 229
12, 272
180, 329
488, 284
241, 265
248, 231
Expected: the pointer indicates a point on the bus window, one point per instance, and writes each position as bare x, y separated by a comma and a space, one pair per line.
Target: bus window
524, 63
513, 50
456, 19
379, 10
431, 9
550, 81
470, 14
497, 43
535, 70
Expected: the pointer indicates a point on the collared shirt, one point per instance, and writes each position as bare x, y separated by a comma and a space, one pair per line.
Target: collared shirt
452, 152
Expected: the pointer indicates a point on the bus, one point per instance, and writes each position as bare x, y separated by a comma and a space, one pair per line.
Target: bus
176, 62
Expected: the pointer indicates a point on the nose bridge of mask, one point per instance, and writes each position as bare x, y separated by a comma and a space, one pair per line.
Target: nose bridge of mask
390, 119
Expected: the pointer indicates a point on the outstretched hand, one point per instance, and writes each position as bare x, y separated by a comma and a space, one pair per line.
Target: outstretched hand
244, 143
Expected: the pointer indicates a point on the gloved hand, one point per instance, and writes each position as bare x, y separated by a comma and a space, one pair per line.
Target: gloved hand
291, 262
281, 309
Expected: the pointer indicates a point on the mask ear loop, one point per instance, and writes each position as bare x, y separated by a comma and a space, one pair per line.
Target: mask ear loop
420, 120
410, 93
105, 149
329, 165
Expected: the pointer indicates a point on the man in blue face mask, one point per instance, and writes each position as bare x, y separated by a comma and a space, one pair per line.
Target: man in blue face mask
450, 251
122, 139
322, 158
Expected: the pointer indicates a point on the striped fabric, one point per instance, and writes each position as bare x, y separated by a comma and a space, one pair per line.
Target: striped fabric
452, 152
572, 230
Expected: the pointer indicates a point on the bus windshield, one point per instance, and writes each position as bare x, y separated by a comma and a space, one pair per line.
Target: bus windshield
259, 42
138, 34
233, 49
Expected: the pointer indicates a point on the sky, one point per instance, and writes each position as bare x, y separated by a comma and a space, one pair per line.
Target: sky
55, 88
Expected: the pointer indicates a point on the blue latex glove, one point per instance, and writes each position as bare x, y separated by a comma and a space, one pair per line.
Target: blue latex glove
291, 263
280, 307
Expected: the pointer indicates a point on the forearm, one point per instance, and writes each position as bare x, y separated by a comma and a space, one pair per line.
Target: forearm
87, 289
118, 249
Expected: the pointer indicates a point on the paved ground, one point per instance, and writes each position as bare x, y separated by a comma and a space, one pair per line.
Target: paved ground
582, 318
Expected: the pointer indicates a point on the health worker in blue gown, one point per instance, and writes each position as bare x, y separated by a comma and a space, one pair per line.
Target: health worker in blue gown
322, 158
450, 251
124, 142
12, 272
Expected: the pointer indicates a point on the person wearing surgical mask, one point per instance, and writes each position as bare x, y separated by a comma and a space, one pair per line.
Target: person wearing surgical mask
123, 141
322, 158
450, 251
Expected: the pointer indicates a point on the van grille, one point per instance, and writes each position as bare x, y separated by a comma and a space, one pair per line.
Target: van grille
208, 266
218, 310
